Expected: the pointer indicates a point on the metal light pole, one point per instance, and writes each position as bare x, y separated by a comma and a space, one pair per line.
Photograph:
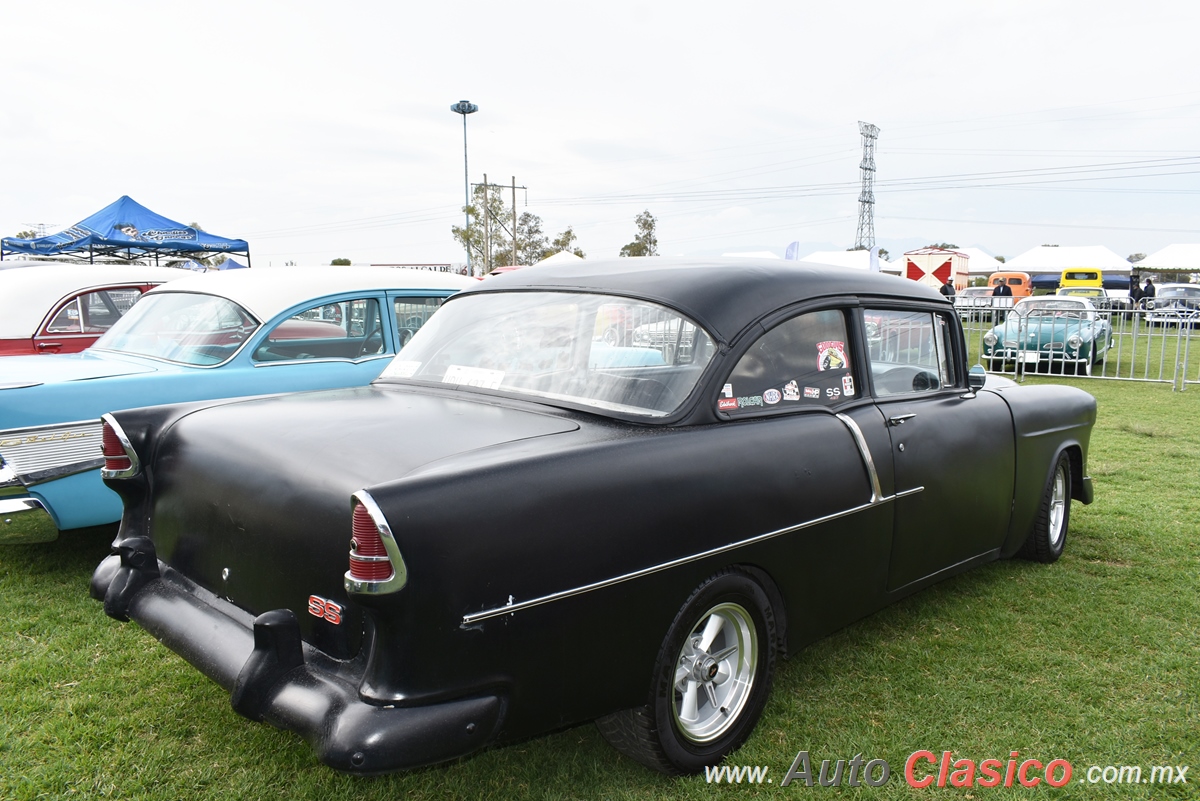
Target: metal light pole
465, 107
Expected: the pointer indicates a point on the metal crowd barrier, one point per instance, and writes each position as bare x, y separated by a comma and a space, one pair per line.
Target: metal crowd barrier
1144, 345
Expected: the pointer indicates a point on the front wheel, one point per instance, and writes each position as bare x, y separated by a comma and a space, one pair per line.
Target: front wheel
710, 683
1049, 534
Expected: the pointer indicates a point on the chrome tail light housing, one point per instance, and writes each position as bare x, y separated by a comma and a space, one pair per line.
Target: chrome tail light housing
376, 566
120, 459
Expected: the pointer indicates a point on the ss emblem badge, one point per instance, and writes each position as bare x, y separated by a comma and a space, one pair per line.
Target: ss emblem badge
326, 610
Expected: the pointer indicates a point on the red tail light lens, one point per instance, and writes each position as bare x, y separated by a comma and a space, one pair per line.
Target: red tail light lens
115, 458
368, 557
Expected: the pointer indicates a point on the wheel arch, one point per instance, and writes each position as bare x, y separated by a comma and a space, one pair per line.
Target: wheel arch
775, 596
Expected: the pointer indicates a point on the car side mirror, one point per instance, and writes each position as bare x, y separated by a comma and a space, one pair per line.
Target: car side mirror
977, 378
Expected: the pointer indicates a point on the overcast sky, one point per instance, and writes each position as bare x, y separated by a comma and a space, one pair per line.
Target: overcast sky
318, 130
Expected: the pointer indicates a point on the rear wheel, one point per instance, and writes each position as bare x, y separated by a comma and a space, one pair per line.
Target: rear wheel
1049, 534
710, 683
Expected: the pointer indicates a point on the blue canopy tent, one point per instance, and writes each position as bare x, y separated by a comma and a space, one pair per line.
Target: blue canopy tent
126, 230
230, 264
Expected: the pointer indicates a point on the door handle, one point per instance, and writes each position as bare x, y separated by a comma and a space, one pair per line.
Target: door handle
48, 345
899, 419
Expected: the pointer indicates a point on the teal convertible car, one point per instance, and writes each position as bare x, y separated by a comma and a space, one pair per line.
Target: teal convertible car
1042, 333
220, 335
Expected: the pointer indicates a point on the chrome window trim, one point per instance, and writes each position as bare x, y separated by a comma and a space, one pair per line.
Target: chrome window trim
135, 465
323, 360
399, 570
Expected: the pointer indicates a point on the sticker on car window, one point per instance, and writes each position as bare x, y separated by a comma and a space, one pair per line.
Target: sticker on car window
831, 355
791, 391
848, 385
771, 397
727, 391
727, 404
399, 369
812, 392
473, 376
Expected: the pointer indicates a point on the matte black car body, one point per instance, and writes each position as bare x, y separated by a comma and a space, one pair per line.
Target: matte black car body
536, 536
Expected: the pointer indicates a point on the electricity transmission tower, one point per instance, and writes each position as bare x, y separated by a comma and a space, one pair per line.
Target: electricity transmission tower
865, 238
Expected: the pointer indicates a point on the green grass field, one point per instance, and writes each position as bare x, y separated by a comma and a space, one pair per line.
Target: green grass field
1095, 659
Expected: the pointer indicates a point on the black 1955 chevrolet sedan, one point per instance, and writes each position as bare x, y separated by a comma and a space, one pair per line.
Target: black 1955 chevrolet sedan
612, 491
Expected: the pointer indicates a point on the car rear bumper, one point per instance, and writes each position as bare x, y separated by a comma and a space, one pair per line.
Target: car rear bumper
24, 520
274, 677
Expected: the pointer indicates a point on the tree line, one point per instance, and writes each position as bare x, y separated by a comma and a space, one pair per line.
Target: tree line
489, 237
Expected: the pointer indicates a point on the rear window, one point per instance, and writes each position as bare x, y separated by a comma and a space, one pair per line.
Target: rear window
183, 327
609, 353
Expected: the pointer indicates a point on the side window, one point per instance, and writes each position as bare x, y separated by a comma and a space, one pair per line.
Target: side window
68, 320
93, 312
910, 352
348, 329
412, 313
802, 361
102, 309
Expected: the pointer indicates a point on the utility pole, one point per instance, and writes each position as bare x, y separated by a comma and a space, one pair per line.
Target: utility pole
865, 238
487, 228
487, 220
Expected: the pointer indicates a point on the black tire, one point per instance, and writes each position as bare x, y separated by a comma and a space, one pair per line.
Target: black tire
667, 734
1049, 535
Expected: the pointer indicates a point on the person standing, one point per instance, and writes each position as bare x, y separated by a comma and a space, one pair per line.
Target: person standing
1148, 290
947, 289
1002, 290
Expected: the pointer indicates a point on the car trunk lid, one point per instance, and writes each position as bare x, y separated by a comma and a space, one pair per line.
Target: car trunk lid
253, 499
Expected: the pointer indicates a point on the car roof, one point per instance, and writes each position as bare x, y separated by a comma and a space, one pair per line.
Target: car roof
27, 293
267, 291
722, 294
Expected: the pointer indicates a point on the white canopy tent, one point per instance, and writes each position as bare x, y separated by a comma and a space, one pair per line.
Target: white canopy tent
1172, 258
1054, 259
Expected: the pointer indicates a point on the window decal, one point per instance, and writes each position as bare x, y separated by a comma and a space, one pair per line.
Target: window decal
831, 355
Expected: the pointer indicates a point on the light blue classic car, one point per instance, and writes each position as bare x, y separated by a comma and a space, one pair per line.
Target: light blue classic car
216, 335
1041, 333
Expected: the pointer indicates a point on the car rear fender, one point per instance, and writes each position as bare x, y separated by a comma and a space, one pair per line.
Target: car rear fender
1048, 421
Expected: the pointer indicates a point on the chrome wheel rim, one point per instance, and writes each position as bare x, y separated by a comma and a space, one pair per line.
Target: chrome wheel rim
1058, 506
715, 673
